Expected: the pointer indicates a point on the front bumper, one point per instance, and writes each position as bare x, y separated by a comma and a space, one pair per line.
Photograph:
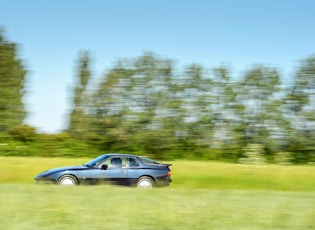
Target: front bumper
44, 181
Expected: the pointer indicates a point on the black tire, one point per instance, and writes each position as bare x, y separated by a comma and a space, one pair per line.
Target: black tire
145, 182
68, 180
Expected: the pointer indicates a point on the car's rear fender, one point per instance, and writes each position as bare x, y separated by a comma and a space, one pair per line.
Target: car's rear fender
153, 178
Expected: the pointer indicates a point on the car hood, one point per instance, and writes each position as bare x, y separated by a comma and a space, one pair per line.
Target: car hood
55, 170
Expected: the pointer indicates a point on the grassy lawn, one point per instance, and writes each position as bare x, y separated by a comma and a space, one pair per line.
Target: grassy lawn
105, 207
203, 195
185, 174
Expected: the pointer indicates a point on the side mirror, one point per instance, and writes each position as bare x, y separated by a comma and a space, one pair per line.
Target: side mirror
104, 167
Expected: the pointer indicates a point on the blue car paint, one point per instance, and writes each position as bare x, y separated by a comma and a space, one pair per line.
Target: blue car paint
92, 173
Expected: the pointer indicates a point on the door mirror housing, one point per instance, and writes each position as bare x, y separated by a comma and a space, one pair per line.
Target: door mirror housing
104, 167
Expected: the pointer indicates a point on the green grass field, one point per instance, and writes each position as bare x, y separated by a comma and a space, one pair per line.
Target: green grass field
203, 195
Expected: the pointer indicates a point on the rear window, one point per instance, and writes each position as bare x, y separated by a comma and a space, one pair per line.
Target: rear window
149, 161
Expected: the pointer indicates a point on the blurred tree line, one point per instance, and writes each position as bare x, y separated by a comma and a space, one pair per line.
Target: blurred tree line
146, 106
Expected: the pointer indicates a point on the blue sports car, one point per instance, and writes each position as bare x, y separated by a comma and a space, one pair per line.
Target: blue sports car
119, 169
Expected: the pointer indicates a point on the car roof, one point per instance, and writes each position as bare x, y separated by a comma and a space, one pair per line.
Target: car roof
120, 154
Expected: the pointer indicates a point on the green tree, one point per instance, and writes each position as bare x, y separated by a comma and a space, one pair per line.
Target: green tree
109, 105
300, 105
24, 133
128, 105
228, 125
142, 106
12, 84
258, 91
79, 120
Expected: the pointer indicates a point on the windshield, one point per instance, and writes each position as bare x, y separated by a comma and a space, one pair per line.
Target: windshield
149, 161
96, 160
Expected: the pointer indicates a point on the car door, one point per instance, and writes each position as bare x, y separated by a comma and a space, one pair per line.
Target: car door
134, 170
112, 170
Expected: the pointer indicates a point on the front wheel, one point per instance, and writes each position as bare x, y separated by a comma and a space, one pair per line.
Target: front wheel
145, 182
68, 180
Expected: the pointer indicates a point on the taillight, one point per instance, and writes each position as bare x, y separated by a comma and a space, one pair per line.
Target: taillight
169, 174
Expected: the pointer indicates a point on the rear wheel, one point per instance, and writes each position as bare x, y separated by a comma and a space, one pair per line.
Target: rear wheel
68, 180
145, 182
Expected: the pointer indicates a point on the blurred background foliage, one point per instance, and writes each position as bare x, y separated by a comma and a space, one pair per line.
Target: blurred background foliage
146, 106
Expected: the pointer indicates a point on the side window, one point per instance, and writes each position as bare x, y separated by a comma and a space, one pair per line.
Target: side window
133, 162
115, 162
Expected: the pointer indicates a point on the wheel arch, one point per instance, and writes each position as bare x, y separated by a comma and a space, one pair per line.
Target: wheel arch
153, 178
68, 174
147, 175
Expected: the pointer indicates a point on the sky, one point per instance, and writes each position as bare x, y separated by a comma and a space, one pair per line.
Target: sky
212, 33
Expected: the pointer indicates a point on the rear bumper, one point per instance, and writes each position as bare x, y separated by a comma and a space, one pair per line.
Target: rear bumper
164, 182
